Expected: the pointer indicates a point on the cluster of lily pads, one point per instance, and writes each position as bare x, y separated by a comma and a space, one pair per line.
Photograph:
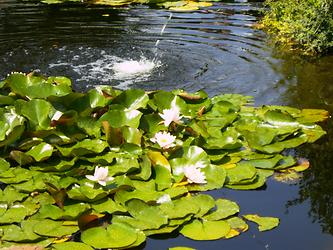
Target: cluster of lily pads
178, 5
107, 168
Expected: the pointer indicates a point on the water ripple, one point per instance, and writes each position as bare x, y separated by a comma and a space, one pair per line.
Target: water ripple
216, 49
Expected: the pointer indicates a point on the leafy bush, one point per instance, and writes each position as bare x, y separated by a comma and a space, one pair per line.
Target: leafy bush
301, 24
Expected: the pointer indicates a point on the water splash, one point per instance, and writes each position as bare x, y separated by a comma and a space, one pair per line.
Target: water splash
162, 31
130, 68
109, 68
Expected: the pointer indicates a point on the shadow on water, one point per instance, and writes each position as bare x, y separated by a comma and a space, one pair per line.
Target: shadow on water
216, 49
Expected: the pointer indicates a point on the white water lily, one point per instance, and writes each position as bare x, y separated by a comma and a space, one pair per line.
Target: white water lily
171, 115
194, 175
100, 175
164, 139
165, 198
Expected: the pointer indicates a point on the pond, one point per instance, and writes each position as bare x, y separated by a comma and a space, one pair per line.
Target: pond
216, 49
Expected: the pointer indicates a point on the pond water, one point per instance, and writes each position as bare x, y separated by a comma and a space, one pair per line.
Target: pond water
215, 49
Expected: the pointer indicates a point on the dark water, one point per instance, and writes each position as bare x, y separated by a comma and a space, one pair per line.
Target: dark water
215, 49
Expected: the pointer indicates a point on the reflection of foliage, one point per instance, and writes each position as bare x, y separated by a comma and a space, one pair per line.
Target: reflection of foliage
86, 162
316, 185
303, 24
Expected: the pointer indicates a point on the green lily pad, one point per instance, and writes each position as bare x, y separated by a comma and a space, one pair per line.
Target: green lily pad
84, 147
23, 233
41, 151
116, 235
4, 165
225, 208
205, 230
237, 226
180, 208
71, 246
107, 206
53, 228
152, 216
37, 112
9, 122
17, 212
120, 116
132, 99
86, 192
15, 175
37, 87
264, 223
242, 172
162, 177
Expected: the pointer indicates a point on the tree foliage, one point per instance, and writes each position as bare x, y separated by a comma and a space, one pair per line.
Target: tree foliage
301, 24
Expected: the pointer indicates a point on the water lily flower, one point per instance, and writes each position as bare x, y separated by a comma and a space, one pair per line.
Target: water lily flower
165, 198
164, 139
171, 115
194, 175
100, 175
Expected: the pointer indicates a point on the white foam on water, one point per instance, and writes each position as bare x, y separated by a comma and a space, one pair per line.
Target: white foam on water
108, 68
130, 68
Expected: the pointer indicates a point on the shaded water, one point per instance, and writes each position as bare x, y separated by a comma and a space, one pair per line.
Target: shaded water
215, 49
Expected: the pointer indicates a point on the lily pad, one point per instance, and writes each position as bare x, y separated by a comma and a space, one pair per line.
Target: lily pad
205, 230
264, 223
116, 235
53, 228
71, 246
225, 208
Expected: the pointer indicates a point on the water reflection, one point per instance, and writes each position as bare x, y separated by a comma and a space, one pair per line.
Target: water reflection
310, 86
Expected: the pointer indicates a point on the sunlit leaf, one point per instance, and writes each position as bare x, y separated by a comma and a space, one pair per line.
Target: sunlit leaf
132, 99
224, 209
4, 165
23, 233
150, 215
84, 147
264, 223
163, 177
241, 173
41, 152
180, 208
116, 235
37, 87
53, 228
37, 112
205, 230
71, 246
157, 158
312, 115
237, 226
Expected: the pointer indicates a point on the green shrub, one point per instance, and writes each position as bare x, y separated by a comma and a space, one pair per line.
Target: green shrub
301, 24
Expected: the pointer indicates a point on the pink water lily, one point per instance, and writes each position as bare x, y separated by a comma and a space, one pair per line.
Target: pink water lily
100, 175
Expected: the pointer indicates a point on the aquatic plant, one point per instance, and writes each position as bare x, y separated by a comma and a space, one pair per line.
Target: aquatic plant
80, 171
180, 5
304, 25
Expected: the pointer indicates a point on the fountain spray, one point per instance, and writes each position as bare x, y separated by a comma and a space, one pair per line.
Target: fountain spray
162, 31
